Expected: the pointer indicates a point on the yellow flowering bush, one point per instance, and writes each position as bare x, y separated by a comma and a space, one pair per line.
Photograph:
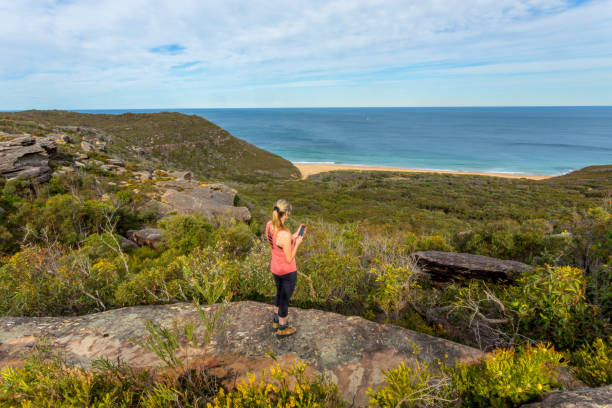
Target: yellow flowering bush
593, 364
281, 389
508, 377
417, 384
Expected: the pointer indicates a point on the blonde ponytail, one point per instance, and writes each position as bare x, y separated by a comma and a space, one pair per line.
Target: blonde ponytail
280, 208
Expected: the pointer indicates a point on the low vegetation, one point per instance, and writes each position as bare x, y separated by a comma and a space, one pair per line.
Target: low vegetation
62, 252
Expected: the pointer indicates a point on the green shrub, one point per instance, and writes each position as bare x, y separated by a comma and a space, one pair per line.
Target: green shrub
592, 364
396, 286
161, 283
552, 306
507, 377
235, 239
256, 280
281, 388
47, 382
185, 232
331, 279
509, 239
208, 266
414, 385
42, 281
413, 242
591, 239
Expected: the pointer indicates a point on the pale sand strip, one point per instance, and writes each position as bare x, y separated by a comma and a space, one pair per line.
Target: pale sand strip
309, 169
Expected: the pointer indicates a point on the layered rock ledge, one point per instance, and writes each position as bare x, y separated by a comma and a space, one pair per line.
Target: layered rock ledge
26, 156
352, 351
450, 265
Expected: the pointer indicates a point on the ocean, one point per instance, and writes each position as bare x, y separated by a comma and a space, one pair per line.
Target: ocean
522, 140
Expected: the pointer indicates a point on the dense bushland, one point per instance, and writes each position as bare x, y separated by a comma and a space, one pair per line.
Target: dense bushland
62, 253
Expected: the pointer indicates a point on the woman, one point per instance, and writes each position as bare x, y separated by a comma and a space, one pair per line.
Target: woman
284, 246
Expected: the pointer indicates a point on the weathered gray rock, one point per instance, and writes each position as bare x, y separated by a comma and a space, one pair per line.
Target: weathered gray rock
116, 162
209, 200
146, 236
126, 243
579, 398
143, 175
352, 351
108, 167
27, 156
87, 147
2, 211
449, 265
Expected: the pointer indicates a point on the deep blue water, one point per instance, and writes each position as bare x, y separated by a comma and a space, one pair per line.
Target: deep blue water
530, 140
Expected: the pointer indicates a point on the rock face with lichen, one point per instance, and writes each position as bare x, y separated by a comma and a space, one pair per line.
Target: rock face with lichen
352, 351
27, 156
450, 265
579, 398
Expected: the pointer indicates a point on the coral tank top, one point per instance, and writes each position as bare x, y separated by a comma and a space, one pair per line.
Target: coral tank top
278, 264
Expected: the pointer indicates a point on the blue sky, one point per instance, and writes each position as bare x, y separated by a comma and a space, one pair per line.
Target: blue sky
191, 53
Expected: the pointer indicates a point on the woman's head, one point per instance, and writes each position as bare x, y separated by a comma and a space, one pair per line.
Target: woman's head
281, 211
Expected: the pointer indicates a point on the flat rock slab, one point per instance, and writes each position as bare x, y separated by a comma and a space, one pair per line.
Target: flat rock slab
450, 265
352, 351
189, 197
579, 398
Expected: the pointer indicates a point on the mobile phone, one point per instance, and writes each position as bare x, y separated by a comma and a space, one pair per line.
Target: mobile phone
301, 232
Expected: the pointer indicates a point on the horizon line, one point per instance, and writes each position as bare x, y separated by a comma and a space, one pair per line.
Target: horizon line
308, 107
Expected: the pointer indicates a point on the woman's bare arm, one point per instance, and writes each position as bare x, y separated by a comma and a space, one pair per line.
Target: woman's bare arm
284, 240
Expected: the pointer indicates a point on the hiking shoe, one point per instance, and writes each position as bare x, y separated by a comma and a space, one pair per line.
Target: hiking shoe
285, 331
275, 322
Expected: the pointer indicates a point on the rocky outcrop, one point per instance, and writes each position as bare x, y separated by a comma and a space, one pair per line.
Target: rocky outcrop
146, 236
181, 175
87, 147
579, 398
449, 265
352, 351
27, 156
189, 197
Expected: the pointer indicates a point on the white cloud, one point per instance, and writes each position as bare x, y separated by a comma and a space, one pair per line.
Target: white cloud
71, 52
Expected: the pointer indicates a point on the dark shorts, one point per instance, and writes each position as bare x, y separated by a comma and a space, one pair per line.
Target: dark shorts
285, 285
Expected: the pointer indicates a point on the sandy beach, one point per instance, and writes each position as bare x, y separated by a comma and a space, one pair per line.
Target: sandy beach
310, 169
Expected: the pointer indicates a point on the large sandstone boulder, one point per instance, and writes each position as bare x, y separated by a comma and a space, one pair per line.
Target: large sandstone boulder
579, 398
27, 156
352, 351
146, 236
450, 265
189, 197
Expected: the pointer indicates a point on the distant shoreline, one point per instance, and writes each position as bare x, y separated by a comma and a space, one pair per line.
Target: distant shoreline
308, 169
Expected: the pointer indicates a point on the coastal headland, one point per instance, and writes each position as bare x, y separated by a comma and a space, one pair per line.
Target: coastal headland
308, 169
